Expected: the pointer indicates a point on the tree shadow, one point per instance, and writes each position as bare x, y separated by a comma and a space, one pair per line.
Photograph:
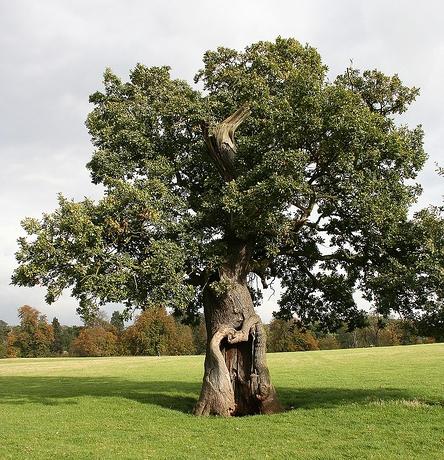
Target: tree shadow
180, 396
175, 395
312, 398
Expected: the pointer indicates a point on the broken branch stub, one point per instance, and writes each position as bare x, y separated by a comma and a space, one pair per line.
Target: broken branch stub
220, 142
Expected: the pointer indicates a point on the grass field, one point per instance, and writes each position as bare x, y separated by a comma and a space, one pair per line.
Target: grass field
358, 404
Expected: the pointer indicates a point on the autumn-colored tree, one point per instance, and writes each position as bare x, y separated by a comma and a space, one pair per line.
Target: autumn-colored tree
182, 342
94, 341
33, 337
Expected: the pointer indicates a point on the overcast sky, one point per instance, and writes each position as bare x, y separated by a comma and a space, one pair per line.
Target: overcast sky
53, 54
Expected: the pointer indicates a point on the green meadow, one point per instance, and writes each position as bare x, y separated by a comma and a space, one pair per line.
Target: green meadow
354, 404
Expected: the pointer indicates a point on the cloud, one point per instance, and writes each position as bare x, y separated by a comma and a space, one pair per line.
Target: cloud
53, 54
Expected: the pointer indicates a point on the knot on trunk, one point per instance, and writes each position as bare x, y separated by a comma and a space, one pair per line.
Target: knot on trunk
235, 336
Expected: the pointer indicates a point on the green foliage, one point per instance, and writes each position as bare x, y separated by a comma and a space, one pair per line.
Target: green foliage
200, 336
4, 331
329, 342
288, 336
69, 333
323, 181
117, 321
378, 331
57, 344
156, 333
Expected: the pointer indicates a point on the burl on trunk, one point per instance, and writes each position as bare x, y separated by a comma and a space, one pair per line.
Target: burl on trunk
236, 380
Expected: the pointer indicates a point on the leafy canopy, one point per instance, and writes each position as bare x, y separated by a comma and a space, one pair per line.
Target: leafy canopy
322, 183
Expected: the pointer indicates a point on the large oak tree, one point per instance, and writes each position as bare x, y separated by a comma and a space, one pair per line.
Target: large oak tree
268, 170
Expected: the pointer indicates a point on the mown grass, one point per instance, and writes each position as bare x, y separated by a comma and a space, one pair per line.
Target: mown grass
357, 404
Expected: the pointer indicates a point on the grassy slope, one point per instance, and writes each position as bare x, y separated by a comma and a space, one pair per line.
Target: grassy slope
364, 403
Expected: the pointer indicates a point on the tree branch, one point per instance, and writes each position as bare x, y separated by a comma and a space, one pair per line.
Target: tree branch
220, 142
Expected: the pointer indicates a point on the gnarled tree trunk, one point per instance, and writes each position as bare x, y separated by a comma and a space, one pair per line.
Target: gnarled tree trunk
236, 380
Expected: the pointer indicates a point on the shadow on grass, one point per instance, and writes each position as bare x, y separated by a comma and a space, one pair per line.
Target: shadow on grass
179, 396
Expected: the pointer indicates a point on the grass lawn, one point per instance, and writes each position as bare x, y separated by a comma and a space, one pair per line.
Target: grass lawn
357, 404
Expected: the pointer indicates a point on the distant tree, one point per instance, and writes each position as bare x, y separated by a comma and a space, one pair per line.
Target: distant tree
154, 332
94, 341
329, 342
97, 318
347, 338
379, 332
288, 336
200, 335
34, 336
279, 336
69, 333
4, 331
182, 342
57, 344
117, 321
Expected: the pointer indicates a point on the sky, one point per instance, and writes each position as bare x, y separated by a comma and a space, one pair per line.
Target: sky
53, 54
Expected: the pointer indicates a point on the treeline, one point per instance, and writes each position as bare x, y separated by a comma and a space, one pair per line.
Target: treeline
155, 332
379, 332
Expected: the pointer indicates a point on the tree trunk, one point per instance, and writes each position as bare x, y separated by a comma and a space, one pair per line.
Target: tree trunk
236, 379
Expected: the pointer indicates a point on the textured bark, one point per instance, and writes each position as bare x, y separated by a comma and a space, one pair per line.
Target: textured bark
236, 380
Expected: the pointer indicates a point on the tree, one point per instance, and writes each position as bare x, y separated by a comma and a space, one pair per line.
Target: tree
69, 333
156, 333
96, 318
329, 342
4, 331
288, 336
94, 341
57, 344
315, 190
199, 335
33, 338
117, 321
